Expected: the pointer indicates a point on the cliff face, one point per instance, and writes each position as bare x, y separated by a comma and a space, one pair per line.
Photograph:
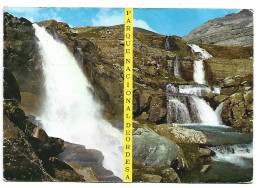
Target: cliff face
22, 60
231, 30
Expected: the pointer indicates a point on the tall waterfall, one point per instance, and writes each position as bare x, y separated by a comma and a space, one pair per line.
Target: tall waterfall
199, 73
70, 111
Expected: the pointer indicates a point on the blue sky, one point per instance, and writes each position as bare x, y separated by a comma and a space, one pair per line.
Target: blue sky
163, 21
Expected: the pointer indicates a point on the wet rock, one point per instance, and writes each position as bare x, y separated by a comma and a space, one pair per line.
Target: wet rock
39, 133
152, 149
180, 134
203, 152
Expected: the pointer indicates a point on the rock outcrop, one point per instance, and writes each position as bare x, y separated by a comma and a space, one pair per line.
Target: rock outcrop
181, 134
152, 149
231, 30
21, 58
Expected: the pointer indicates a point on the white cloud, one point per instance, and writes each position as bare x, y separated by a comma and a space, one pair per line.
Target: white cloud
142, 24
108, 17
35, 14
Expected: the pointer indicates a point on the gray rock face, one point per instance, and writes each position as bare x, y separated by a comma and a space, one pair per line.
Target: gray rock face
231, 30
152, 149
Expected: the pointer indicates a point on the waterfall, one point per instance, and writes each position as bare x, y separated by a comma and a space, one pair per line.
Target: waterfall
178, 112
195, 108
218, 112
200, 51
199, 73
238, 154
176, 67
205, 113
167, 45
69, 110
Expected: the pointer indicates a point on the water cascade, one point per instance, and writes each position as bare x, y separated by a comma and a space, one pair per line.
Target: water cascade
185, 100
238, 154
199, 73
69, 110
176, 67
178, 112
218, 112
167, 45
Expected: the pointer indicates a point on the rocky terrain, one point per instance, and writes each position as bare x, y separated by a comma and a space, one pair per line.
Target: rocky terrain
99, 51
231, 30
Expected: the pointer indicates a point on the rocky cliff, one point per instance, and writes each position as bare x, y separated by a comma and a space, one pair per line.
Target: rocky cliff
231, 30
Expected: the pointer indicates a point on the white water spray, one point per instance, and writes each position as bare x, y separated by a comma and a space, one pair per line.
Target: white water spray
205, 112
238, 154
218, 112
70, 111
179, 111
199, 73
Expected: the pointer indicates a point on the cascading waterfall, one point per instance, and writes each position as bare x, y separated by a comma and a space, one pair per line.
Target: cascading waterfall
199, 111
205, 113
167, 45
199, 73
181, 112
218, 112
70, 111
237, 154
176, 67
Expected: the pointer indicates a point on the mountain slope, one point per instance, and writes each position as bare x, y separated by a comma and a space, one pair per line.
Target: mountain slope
231, 30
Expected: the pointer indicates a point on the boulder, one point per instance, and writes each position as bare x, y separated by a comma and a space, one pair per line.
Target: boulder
205, 152
180, 134
152, 149
170, 176
237, 111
